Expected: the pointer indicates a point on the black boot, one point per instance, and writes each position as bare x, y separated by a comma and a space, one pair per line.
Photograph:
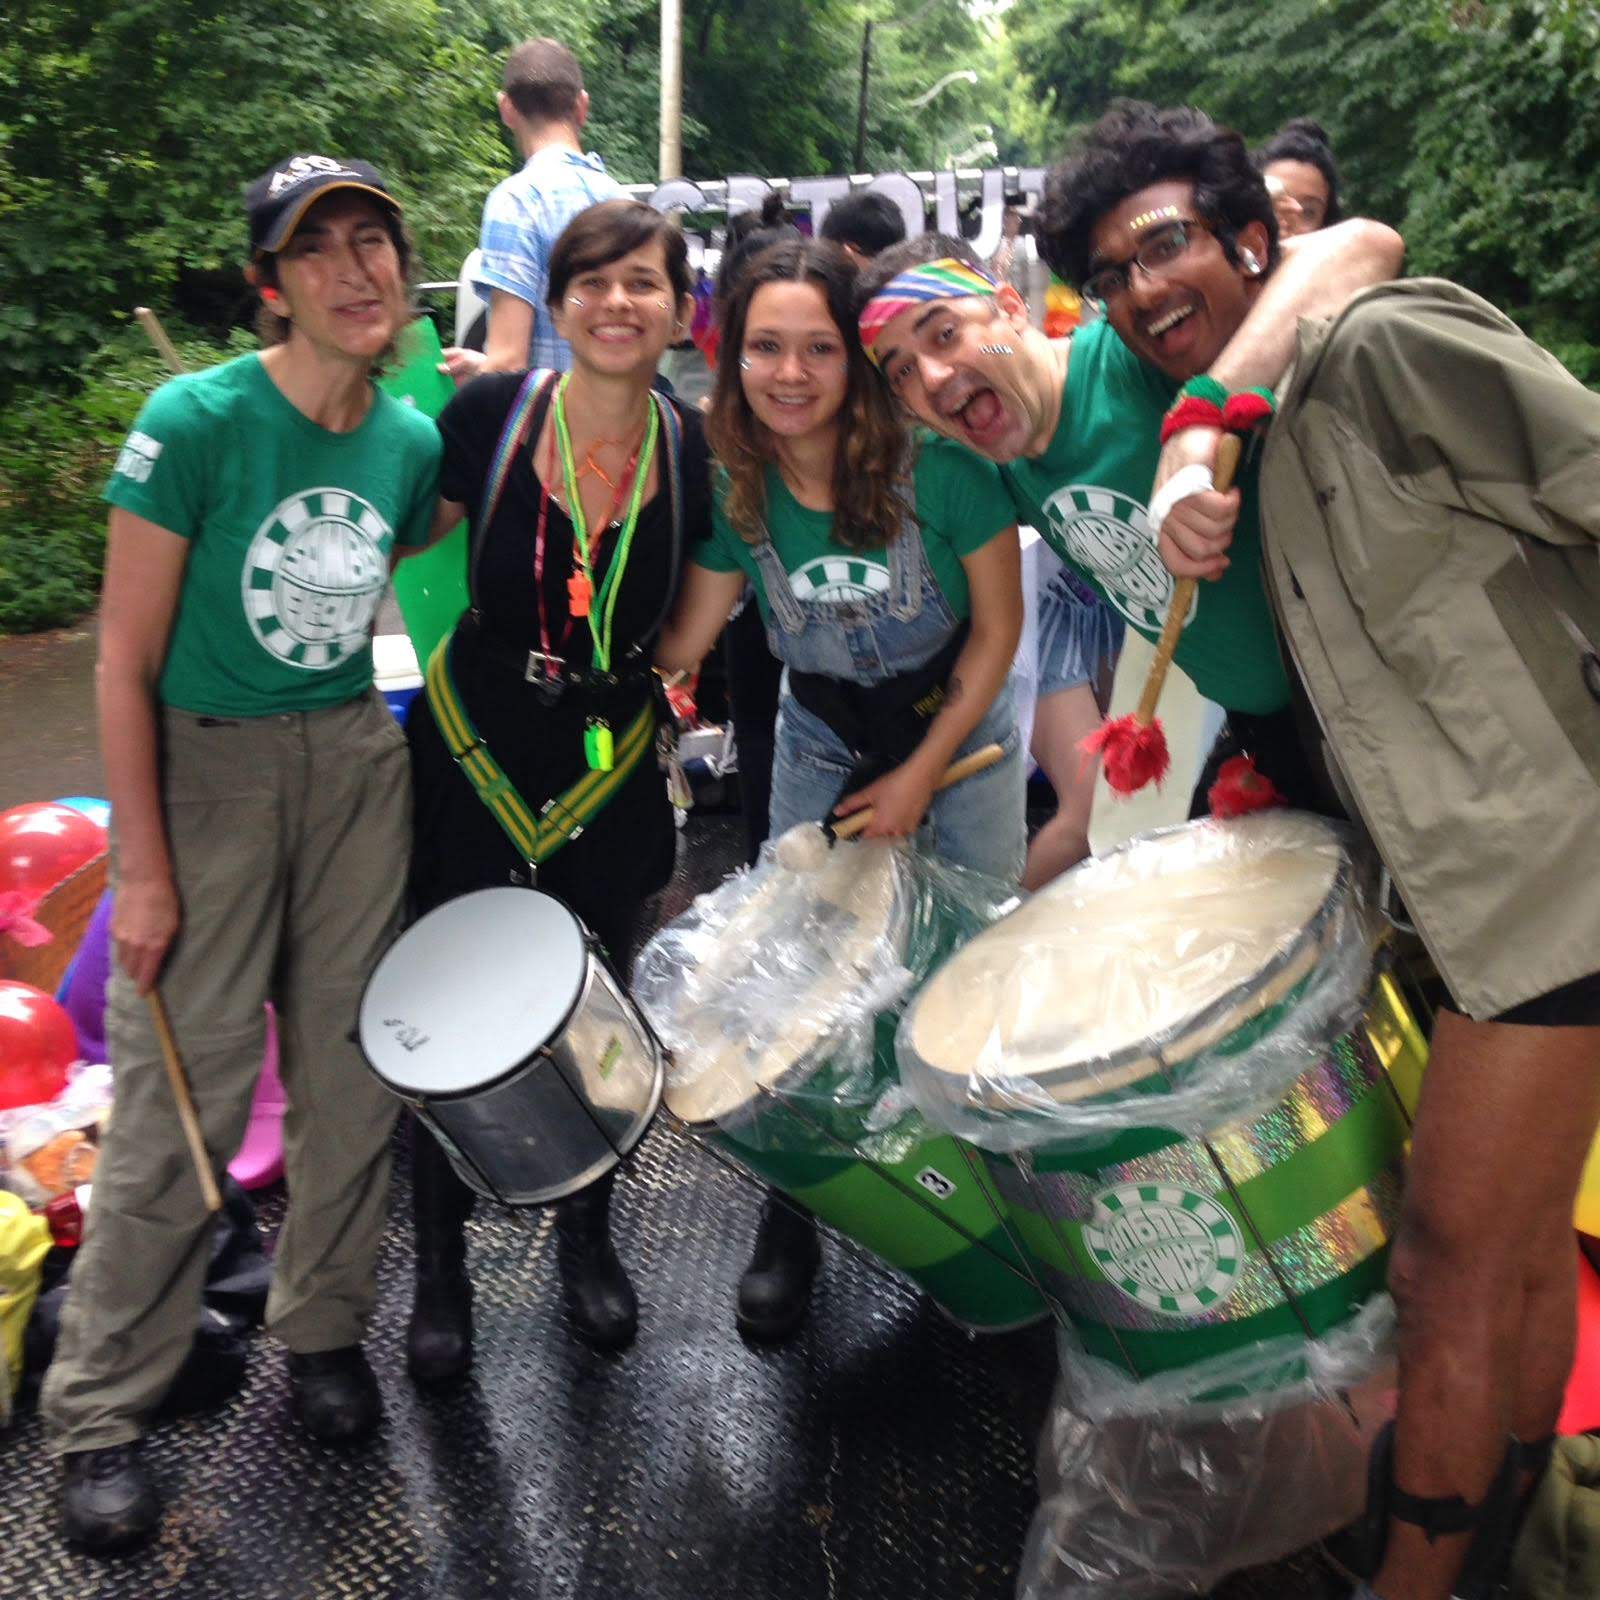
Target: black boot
776, 1287
439, 1338
335, 1394
599, 1296
108, 1502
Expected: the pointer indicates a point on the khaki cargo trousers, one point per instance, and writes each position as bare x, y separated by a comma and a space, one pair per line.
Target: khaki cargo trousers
290, 837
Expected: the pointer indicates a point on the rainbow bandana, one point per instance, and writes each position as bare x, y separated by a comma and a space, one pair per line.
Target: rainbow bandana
948, 279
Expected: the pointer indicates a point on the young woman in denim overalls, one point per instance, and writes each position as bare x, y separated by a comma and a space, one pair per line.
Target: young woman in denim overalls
887, 574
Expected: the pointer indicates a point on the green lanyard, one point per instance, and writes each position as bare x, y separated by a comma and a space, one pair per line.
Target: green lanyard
604, 595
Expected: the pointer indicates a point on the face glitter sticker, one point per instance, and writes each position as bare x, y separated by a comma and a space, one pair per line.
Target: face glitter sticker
1160, 214
744, 363
994, 349
1169, 1249
573, 300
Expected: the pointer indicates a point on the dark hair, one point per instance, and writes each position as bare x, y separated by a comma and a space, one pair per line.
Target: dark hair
867, 507
1133, 146
869, 221
1302, 139
272, 329
610, 230
543, 81
914, 252
749, 233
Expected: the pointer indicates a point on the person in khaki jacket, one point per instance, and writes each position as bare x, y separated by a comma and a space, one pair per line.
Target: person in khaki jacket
1430, 497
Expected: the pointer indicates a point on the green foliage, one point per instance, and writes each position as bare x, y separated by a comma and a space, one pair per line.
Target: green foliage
1472, 127
128, 127
56, 452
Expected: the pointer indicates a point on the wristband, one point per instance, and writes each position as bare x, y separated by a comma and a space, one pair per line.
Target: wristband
1245, 409
1204, 387
1191, 411
1193, 479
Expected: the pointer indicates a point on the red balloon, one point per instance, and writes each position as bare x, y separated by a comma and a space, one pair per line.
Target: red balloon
37, 1045
43, 844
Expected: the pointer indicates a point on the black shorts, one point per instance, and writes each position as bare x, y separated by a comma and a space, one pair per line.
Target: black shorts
1573, 1005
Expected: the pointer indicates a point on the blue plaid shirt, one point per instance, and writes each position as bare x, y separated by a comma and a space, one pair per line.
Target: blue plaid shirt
522, 219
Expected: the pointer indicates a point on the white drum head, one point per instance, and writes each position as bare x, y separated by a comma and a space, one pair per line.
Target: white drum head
819, 924
472, 990
1128, 965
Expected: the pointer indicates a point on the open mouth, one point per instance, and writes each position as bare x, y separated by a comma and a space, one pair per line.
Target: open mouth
361, 310
1173, 327
979, 413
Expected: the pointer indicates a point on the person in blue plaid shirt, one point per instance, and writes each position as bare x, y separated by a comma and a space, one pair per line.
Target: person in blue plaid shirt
545, 106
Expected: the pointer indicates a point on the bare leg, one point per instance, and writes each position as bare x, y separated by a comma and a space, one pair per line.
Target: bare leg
1060, 721
1482, 1270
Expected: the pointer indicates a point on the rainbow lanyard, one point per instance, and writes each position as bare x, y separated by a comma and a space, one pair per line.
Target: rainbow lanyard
598, 743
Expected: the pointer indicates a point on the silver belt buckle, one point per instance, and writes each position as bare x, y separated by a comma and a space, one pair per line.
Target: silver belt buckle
542, 666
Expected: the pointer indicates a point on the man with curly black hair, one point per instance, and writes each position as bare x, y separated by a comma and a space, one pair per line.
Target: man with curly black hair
1164, 222
1430, 486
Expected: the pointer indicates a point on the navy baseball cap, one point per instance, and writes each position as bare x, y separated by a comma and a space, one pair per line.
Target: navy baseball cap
279, 198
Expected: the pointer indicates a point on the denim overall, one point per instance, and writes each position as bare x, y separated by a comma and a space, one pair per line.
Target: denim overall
976, 824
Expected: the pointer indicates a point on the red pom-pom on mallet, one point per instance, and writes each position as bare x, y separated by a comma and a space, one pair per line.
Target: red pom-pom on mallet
1132, 753
1240, 788
1134, 748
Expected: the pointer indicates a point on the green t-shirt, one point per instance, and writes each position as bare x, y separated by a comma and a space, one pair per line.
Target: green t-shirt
960, 505
1088, 497
289, 529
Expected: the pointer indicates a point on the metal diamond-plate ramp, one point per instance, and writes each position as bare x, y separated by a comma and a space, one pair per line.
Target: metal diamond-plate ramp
880, 1455
882, 1452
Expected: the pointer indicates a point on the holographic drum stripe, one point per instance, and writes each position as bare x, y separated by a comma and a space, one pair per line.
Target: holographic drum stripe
1166, 1251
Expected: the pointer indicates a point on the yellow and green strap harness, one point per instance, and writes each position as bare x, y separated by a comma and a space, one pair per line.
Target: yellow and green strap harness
536, 836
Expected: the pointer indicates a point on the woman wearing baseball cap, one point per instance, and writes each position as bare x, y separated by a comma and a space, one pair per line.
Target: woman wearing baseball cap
261, 818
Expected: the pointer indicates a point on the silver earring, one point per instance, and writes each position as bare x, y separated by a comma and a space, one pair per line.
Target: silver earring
1252, 266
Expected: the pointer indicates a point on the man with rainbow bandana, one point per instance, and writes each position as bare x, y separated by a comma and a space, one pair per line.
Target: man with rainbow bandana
1197, 292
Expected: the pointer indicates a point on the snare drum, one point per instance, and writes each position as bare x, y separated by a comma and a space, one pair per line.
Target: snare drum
496, 1018
1164, 1249
922, 1202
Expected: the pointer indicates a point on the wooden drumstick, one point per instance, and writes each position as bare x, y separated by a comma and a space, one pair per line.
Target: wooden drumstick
973, 761
186, 1111
151, 324
1134, 748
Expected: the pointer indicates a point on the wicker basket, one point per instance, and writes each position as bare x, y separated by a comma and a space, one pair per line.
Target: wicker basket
65, 911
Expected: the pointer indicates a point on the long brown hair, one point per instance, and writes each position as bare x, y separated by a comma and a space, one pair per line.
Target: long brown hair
868, 509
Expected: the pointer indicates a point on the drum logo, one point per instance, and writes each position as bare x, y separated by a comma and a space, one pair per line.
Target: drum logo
1172, 1250
312, 580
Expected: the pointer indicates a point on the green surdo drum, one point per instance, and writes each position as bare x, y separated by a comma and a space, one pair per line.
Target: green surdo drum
779, 1106
1186, 953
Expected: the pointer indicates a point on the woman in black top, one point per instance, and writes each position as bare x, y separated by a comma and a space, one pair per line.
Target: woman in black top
525, 662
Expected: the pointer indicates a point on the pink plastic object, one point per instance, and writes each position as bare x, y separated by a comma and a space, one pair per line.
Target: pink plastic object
260, 1158
1581, 1411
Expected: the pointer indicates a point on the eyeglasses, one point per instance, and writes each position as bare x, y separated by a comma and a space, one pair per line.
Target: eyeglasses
1159, 251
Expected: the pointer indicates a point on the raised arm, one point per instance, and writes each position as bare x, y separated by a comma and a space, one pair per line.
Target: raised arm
704, 604
1315, 277
144, 574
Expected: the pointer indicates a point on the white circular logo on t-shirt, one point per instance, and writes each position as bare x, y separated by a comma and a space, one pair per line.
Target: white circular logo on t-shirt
314, 575
838, 580
1110, 535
